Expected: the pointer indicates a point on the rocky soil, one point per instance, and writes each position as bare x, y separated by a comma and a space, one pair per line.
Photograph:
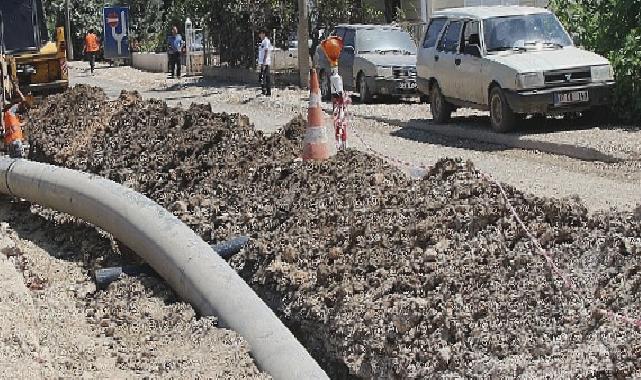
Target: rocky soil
380, 275
552, 157
56, 324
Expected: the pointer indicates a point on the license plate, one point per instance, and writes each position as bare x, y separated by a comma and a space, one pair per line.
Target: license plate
571, 97
407, 85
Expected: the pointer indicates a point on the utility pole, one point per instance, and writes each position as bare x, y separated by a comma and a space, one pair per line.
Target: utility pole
303, 46
424, 10
68, 28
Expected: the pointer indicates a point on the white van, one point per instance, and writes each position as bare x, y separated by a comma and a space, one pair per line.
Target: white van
512, 61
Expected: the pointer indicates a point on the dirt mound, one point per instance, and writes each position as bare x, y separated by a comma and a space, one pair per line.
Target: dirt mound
379, 275
57, 324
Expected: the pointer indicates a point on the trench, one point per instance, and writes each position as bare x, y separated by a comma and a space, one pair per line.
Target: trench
377, 274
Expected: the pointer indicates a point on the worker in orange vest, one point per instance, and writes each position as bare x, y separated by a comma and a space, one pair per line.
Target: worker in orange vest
92, 46
12, 134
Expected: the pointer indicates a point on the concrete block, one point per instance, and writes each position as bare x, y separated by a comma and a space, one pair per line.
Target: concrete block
152, 62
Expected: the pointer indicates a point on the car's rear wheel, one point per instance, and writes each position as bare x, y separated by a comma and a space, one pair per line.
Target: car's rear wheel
502, 116
325, 86
441, 109
364, 91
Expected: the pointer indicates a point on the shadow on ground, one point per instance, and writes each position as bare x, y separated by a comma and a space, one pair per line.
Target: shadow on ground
472, 133
67, 238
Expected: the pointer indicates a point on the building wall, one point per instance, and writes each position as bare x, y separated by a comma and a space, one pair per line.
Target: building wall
155, 63
442, 4
412, 8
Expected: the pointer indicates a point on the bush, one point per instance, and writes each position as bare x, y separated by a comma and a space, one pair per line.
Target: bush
610, 28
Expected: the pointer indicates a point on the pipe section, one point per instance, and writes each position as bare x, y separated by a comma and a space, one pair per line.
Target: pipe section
182, 258
106, 276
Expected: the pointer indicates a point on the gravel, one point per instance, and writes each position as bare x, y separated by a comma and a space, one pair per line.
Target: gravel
539, 159
380, 275
56, 324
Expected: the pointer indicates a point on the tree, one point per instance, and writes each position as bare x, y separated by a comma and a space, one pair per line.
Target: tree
611, 28
231, 25
329, 13
391, 10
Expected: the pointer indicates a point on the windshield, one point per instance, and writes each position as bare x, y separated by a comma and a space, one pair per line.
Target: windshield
524, 32
385, 41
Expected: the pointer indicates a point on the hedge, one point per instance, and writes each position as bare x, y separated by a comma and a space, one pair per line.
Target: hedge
610, 28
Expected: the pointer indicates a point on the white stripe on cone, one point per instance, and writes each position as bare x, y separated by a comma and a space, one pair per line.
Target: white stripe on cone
314, 100
315, 135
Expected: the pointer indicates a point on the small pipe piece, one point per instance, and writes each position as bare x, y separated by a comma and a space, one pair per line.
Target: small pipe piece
106, 276
230, 247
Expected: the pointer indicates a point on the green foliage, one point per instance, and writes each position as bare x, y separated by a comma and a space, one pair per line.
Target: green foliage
611, 28
148, 25
328, 13
232, 26
84, 14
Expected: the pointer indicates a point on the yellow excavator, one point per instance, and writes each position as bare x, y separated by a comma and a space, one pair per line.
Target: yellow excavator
28, 57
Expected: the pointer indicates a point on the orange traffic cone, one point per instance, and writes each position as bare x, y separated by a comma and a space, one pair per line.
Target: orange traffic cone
315, 144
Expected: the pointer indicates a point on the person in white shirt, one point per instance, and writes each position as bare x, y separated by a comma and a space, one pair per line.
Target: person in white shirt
265, 60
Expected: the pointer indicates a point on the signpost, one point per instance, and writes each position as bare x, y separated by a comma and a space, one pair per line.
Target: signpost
115, 32
68, 31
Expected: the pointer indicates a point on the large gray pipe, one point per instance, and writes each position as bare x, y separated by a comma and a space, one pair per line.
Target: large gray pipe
183, 259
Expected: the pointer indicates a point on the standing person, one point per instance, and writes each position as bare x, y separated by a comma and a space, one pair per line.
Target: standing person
12, 134
265, 61
175, 43
91, 48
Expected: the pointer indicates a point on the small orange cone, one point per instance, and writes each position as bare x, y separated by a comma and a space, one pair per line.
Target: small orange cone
315, 144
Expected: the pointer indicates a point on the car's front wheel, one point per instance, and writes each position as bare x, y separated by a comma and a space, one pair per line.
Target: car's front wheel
502, 116
441, 109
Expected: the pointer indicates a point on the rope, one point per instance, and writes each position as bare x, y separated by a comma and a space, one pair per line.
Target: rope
567, 280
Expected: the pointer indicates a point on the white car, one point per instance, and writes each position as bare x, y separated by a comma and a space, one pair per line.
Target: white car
512, 61
376, 60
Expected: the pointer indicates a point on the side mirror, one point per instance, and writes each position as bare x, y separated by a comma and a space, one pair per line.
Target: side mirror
473, 50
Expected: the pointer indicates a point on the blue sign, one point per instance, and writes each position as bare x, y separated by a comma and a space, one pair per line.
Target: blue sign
116, 32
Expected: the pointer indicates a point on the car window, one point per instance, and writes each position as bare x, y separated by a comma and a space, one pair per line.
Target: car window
524, 32
385, 41
450, 40
349, 37
433, 31
340, 32
470, 35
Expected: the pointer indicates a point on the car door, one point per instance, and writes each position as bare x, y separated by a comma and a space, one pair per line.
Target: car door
425, 58
346, 61
471, 80
447, 51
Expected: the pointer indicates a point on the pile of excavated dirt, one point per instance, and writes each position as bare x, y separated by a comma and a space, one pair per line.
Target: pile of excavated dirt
379, 275
56, 324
